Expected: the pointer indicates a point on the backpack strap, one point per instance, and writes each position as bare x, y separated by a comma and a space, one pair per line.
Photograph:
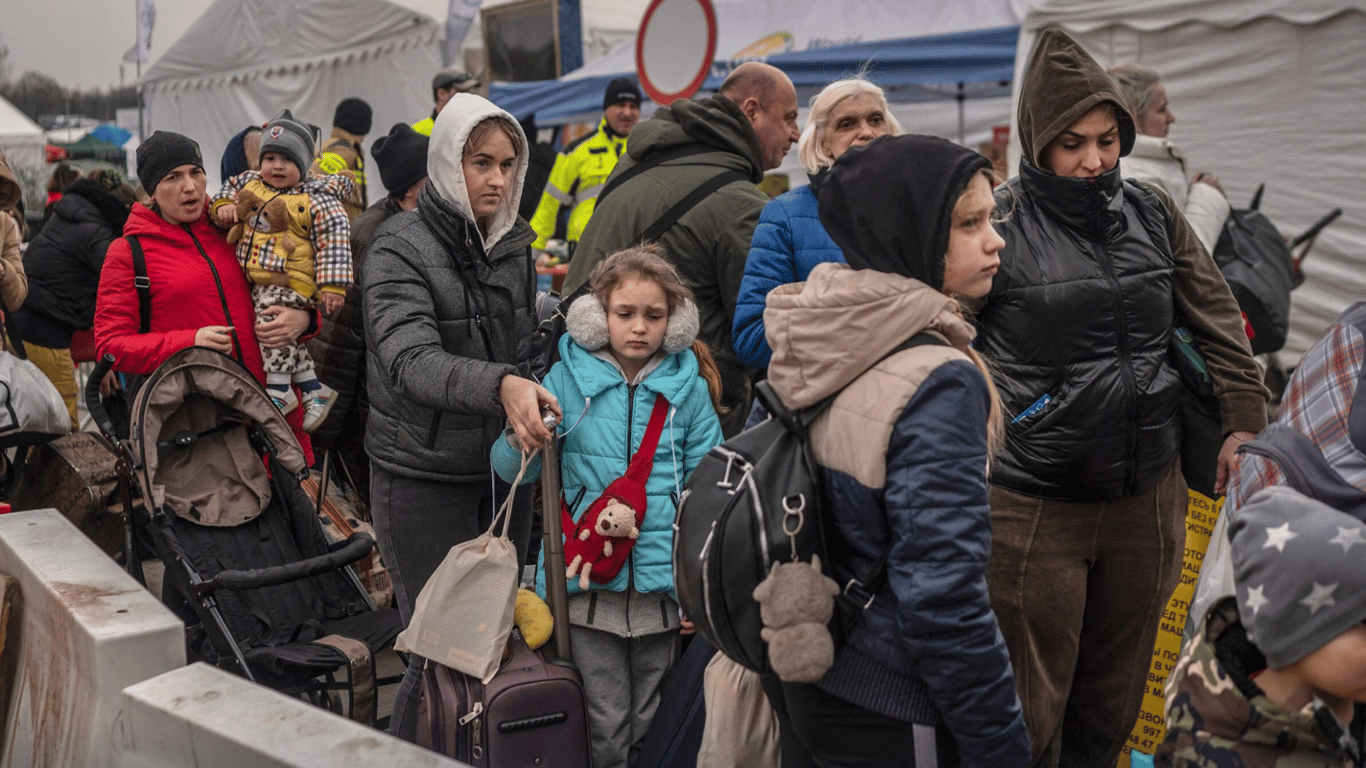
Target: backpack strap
141, 283
1306, 469
689, 202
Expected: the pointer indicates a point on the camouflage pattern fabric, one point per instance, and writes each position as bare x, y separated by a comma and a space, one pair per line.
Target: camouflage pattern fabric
1218, 718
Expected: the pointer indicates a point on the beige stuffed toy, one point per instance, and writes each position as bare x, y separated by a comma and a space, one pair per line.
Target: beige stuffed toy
615, 521
796, 602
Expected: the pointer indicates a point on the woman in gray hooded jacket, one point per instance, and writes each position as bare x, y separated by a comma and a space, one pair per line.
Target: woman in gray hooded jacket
448, 298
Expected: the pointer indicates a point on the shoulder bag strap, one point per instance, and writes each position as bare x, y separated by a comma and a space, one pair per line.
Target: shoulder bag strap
643, 462
655, 159
141, 283
689, 202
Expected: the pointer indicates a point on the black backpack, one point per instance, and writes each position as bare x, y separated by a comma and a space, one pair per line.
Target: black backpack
755, 500
1260, 271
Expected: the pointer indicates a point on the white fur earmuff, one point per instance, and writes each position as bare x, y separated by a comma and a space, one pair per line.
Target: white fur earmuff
586, 324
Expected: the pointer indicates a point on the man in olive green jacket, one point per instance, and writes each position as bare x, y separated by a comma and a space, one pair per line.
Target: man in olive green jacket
748, 127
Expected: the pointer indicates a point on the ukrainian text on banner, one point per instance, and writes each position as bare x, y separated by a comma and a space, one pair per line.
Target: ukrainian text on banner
1151, 726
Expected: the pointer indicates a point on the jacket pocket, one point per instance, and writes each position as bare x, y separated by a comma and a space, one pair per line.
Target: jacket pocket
1041, 411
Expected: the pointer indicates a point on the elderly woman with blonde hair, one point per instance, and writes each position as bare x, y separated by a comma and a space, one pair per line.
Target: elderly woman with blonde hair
790, 240
1159, 162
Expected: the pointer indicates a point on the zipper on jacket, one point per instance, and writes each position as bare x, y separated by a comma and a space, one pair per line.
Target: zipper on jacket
432, 430
631, 558
1125, 360
222, 297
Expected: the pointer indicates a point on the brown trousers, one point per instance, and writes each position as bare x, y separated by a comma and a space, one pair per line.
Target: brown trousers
1079, 589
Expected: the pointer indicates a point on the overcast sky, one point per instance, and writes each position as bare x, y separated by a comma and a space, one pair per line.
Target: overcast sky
81, 42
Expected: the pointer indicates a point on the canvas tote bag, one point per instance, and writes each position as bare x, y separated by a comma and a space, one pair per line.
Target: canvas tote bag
463, 614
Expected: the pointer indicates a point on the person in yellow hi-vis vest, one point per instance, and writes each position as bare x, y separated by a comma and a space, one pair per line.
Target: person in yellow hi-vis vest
580, 173
342, 152
445, 84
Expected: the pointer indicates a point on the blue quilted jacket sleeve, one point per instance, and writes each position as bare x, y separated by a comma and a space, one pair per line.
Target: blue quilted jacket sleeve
940, 526
788, 243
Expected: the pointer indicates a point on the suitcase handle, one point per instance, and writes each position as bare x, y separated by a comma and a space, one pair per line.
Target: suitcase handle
530, 723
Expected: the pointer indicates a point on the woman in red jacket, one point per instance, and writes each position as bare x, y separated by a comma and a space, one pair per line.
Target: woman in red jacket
199, 296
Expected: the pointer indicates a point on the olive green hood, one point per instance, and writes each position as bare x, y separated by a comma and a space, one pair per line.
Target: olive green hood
1061, 84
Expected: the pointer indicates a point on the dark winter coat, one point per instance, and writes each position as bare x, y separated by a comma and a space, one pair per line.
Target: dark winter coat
1079, 320
339, 355
446, 322
710, 243
904, 453
63, 264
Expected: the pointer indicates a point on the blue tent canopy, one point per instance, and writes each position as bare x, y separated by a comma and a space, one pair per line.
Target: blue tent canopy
976, 63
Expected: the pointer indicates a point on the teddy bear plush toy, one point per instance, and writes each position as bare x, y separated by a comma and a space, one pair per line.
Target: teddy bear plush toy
267, 218
796, 602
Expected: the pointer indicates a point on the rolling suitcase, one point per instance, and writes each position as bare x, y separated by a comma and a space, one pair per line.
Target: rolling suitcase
533, 712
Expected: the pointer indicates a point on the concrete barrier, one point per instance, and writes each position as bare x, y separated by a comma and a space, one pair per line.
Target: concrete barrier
81, 630
204, 717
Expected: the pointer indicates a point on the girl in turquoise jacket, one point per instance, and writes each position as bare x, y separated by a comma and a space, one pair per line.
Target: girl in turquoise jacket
631, 340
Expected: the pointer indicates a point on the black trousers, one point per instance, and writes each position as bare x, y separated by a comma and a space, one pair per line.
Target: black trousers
818, 730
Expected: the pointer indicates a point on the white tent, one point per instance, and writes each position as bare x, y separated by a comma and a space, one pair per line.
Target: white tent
244, 60
23, 142
1267, 91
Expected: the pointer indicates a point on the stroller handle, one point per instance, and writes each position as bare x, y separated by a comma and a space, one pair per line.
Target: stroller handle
350, 551
92, 395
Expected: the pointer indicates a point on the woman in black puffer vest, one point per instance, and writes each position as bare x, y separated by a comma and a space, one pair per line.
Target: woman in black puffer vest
1088, 501
63, 264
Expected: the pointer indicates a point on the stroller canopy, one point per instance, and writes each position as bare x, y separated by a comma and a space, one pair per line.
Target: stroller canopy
187, 431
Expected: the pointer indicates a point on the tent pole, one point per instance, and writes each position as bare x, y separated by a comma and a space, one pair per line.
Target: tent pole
962, 119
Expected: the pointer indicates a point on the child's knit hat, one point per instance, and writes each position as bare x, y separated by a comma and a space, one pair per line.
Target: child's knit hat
295, 140
1300, 580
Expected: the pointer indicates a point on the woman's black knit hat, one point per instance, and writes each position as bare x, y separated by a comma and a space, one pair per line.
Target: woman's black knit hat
401, 156
163, 152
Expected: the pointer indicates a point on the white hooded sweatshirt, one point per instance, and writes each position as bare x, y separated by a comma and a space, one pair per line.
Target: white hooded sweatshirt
445, 169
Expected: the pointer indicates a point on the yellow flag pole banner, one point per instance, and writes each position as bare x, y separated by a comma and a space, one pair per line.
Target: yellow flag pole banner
1151, 727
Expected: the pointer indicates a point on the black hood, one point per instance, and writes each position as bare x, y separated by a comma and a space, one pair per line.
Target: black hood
107, 208
889, 205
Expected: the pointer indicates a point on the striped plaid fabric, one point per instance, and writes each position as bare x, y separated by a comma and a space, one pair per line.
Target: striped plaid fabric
329, 231
1318, 402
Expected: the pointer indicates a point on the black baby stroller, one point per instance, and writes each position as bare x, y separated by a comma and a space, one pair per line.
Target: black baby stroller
243, 546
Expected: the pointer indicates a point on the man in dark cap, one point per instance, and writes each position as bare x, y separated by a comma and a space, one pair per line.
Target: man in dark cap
339, 348
579, 173
446, 84
343, 152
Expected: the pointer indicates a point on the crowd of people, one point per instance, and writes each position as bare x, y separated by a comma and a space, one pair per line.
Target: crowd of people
1019, 479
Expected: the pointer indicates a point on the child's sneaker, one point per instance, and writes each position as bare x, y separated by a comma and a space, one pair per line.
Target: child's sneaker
317, 404
285, 401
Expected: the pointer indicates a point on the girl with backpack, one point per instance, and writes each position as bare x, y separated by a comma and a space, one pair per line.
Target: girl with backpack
640, 396
922, 677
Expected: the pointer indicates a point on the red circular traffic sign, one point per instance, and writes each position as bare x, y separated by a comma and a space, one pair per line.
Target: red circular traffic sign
673, 62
